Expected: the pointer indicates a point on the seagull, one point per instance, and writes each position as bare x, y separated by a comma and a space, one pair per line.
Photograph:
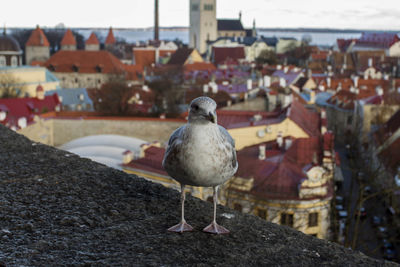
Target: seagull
200, 153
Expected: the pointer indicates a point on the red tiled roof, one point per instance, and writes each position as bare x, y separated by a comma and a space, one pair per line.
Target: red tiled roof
110, 39
27, 107
222, 54
92, 40
200, 66
68, 38
389, 128
306, 119
235, 119
37, 38
134, 72
280, 175
82, 61
151, 162
144, 57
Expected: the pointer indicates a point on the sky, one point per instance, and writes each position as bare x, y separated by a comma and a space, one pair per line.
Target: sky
342, 14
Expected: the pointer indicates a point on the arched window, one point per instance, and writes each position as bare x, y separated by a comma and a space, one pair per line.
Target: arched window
2, 61
14, 61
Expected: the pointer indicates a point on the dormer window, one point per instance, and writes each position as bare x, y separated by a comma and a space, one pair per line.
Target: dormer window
99, 68
75, 68
52, 67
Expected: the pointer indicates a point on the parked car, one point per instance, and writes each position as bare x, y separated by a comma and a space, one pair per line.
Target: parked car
389, 254
342, 214
339, 200
339, 207
377, 220
367, 191
386, 244
382, 232
363, 213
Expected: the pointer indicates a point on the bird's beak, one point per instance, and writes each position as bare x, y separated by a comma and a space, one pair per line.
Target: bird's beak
212, 117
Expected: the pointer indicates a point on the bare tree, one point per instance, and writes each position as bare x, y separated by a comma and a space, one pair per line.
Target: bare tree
10, 86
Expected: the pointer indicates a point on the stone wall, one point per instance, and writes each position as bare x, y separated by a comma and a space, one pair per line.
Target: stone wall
148, 130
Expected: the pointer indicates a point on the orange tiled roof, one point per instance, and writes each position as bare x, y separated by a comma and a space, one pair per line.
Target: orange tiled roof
82, 61
134, 72
110, 37
37, 38
92, 40
68, 38
144, 57
199, 66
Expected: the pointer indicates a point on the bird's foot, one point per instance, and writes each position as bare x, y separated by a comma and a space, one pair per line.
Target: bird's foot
215, 228
181, 227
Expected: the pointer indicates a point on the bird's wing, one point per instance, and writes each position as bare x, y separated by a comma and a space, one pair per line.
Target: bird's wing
174, 141
229, 138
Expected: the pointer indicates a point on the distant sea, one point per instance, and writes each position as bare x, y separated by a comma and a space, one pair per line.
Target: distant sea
133, 35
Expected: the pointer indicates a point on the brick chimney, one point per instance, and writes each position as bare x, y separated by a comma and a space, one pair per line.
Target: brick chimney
261, 150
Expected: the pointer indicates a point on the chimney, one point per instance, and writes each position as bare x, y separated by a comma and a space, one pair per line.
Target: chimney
267, 81
205, 88
288, 143
370, 62
315, 159
282, 82
240, 15
155, 20
328, 82
355, 81
249, 84
286, 69
127, 156
261, 154
279, 140
379, 90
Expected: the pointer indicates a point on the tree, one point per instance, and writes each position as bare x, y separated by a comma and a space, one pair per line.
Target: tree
267, 56
112, 98
10, 86
169, 92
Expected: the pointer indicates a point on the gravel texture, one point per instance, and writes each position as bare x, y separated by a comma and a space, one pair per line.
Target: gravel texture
61, 210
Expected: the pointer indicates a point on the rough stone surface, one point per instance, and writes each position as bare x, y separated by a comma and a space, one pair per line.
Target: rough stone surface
60, 210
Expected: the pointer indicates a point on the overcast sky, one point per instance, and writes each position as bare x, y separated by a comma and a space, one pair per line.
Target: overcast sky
345, 14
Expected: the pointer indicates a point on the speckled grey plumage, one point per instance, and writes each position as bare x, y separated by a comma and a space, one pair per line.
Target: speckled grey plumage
201, 152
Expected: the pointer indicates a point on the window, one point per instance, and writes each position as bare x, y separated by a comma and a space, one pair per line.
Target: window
208, 7
76, 80
287, 219
237, 207
313, 219
195, 7
349, 120
262, 213
14, 61
2, 61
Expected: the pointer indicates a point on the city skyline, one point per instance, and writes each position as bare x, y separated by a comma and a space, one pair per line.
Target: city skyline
357, 14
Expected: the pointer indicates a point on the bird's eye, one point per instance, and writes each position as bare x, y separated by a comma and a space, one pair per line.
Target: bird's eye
195, 107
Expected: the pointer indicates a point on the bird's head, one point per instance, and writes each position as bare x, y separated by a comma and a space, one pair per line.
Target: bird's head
202, 109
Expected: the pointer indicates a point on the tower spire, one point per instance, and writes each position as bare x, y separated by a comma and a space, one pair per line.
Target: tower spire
156, 20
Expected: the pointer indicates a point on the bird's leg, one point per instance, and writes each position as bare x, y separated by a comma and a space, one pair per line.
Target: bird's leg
214, 228
182, 226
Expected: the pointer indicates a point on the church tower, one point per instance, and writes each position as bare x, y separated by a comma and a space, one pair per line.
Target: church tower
203, 23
